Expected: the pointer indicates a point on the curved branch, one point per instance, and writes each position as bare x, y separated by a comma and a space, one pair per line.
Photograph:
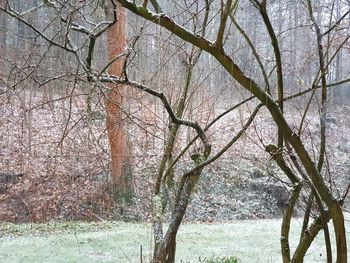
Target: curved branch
205, 129
228, 145
172, 115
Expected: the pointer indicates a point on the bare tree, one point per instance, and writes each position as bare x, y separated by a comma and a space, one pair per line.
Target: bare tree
210, 34
312, 173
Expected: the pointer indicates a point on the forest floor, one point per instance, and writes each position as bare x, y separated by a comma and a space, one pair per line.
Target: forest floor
54, 163
249, 240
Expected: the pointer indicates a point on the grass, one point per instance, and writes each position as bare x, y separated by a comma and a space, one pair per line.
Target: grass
249, 241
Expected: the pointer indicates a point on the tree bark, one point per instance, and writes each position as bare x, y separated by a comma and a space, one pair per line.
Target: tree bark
114, 101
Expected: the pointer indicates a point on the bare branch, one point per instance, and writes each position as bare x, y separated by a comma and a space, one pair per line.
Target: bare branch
254, 51
167, 106
228, 145
336, 23
224, 15
278, 58
46, 38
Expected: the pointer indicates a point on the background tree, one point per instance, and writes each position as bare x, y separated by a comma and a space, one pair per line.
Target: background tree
115, 100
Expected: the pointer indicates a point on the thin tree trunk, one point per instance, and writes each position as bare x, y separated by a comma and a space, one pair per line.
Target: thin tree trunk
286, 220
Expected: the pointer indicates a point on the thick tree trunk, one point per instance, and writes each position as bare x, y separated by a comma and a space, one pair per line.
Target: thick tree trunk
120, 163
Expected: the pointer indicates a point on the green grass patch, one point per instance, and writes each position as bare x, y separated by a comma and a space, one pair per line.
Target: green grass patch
240, 241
